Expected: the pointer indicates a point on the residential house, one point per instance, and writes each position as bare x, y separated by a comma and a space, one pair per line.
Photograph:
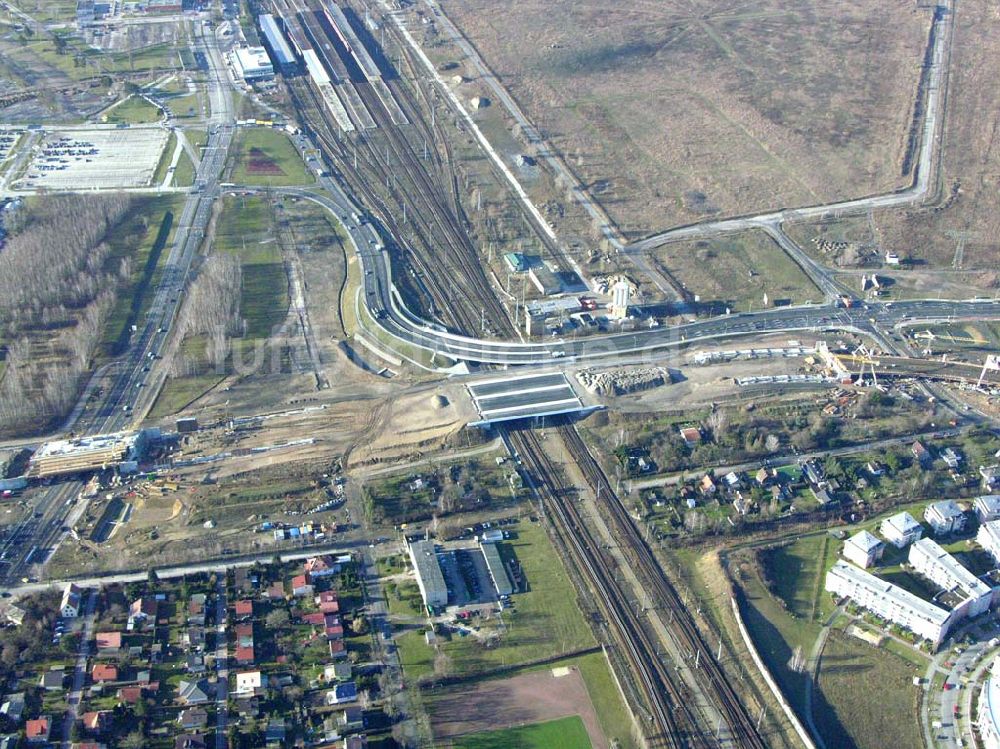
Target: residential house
707, 485
195, 663
328, 602
14, 614
244, 656
301, 586
322, 566
142, 613
765, 476
337, 672
193, 639
341, 693
821, 495
332, 627
357, 741
987, 507
190, 741
991, 476
875, 468
196, 610
53, 679
192, 692
250, 683
104, 672
13, 707
863, 549
69, 607
192, 718
132, 695
244, 644
275, 731
276, 591
37, 731
97, 721
732, 480
109, 644
945, 517
244, 579
814, 473
82, 745
690, 435
921, 453
337, 649
244, 609
352, 719
901, 529
741, 504
951, 458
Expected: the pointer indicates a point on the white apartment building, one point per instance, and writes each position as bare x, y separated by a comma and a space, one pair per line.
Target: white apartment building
987, 507
889, 601
863, 549
988, 718
944, 517
989, 538
942, 569
901, 529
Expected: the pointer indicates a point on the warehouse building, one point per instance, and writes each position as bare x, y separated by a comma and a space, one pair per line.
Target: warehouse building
890, 602
274, 39
971, 595
430, 580
498, 572
251, 64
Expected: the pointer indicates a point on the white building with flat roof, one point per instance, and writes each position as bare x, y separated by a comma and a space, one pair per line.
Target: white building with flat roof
430, 579
252, 63
945, 571
945, 517
987, 507
901, 529
863, 549
889, 601
989, 538
988, 718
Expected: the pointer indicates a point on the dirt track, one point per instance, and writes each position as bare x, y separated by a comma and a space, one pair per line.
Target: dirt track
519, 700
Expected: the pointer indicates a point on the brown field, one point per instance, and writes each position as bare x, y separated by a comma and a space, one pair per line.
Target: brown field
519, 700
970, 171
674, 112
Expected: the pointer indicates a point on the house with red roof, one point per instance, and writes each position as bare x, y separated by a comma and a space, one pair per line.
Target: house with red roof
328, 602
108, 643
244, 609
323, 566
96, 721
37, 731
104, 672
301, 586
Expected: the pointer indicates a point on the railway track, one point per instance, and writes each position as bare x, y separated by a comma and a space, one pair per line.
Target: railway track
715, 682
448, 259
671, 721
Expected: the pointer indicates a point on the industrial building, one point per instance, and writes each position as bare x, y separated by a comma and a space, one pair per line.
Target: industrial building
251, 63
901, 529
544, 280
889, 601
121, 450
945, 517
989, 538
498, 572
274, 39
863, 549
430, 579
971, 596
988, 717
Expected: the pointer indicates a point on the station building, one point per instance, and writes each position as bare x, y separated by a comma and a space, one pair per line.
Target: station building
252, 64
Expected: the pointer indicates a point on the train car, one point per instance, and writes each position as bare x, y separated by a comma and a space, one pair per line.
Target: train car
350, 40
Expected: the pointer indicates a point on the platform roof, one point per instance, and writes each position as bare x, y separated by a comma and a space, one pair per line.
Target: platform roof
524, 397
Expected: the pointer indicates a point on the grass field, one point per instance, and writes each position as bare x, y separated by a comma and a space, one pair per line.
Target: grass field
166, 157
565, 733
737, 271
133, 111
184, 173
848, 716
264, 156
797, 572
672, 113
177, 392
246, 229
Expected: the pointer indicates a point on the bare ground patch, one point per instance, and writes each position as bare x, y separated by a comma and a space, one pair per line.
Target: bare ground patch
519, 700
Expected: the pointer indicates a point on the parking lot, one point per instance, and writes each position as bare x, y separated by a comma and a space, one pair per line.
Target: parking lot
94, 158
8, 138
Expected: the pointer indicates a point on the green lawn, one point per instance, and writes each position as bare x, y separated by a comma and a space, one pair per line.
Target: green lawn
178, 392
184, 173
133, 111
166, 157
246, 229
564, 733
797, 571
264, 156
844, 710
414, 656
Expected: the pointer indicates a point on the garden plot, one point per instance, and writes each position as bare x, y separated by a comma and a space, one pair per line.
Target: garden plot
79, 159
